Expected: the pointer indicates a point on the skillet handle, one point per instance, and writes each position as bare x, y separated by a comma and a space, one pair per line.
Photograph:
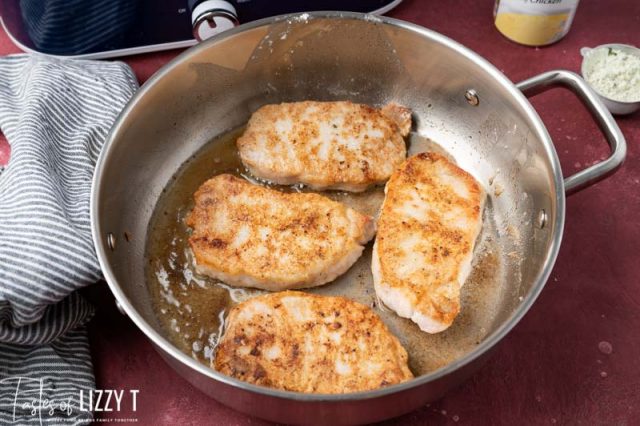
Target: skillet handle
599, 112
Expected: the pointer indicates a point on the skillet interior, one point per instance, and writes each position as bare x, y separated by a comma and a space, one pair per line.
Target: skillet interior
191, 308
214, 88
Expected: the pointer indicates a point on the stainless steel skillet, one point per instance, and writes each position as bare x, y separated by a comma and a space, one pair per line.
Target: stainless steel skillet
459, 100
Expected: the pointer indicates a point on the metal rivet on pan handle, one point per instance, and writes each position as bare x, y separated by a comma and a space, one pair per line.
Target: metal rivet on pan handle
472, 97
120, 308
111, 241
542, 219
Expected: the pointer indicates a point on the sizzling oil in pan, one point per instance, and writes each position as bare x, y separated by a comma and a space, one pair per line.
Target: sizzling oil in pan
192, 307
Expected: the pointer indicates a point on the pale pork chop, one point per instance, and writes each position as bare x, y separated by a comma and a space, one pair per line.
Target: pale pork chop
308, 343
247, 235
430, 219
325, 145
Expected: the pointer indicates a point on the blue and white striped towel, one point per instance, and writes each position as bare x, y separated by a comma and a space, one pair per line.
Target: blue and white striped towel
56, 115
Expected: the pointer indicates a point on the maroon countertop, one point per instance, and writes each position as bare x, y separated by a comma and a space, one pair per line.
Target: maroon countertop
575, 357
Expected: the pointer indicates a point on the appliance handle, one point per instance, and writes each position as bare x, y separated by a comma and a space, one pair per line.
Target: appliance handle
600, 114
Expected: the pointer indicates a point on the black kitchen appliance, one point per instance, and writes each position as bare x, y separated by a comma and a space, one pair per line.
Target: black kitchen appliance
107, 28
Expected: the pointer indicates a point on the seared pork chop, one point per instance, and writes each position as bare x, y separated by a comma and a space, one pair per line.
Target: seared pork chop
307, 343
325, 145
430, 219
247, 235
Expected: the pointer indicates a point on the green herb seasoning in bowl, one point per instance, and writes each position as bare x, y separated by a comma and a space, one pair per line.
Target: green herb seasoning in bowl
613, 71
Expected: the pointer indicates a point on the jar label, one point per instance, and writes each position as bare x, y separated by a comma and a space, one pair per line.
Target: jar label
534, 22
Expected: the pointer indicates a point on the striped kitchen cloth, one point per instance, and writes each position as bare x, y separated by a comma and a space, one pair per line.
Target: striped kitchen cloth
55, 115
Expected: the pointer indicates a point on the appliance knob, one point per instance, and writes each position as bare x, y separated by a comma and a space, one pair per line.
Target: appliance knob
212, 17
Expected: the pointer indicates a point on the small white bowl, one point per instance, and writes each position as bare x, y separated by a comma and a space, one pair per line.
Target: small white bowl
616, 107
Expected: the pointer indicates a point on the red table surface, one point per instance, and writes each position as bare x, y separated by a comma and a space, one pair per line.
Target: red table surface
550, 369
